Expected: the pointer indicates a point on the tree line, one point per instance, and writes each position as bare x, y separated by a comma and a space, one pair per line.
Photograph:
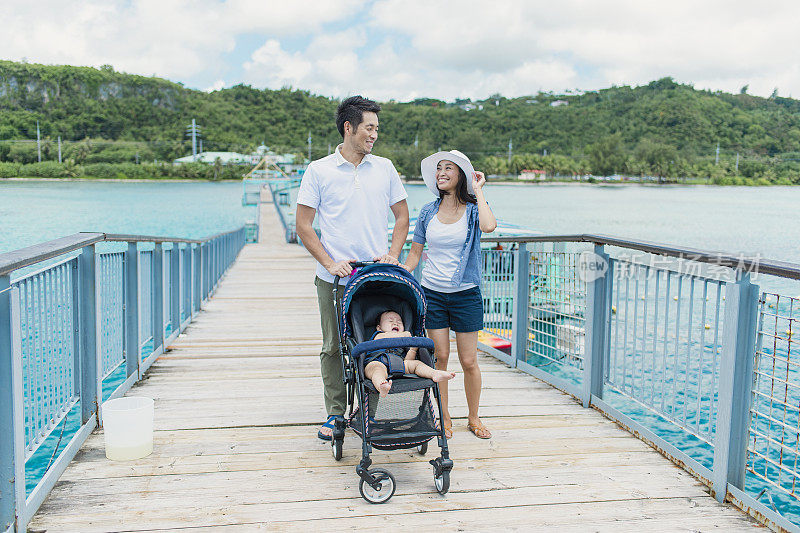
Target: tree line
663, 129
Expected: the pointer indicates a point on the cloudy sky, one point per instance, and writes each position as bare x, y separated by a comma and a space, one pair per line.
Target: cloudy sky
404, 49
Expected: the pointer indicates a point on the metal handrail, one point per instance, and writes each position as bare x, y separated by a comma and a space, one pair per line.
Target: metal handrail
763, 266
115, 237
17, 259
11, 261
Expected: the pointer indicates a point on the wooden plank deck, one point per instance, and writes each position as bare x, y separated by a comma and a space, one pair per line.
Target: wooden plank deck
238, 401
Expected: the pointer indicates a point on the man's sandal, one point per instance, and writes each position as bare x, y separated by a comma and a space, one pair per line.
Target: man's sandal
480, 431
327, 424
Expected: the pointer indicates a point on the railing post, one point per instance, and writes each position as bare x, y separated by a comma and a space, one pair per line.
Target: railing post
186, 275
203, 271
175, 288
158, 296
735, 384
596, 272
86, 329
197, 278
206, 270
132, 355
218, 260
522, 297
213, 269
12, 433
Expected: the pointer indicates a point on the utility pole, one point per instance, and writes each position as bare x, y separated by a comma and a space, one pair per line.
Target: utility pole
737, 162
716, 159
38, 142
59, 148
510, 146
309, 146
416, 142
329, 148
193, 131
201, 145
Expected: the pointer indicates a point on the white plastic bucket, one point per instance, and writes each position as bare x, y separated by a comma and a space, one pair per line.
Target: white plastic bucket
128, 427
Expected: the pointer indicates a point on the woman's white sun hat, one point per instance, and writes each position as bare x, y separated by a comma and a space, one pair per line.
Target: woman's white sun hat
428, 167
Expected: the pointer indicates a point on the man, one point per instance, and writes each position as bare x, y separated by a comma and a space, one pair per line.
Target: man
352, 192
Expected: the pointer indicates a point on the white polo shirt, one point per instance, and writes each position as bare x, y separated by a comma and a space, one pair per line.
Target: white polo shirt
352, 204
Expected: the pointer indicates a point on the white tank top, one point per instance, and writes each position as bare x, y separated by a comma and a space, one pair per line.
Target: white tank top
445, 242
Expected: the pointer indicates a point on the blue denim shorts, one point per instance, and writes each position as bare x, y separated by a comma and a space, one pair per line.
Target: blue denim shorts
460, 311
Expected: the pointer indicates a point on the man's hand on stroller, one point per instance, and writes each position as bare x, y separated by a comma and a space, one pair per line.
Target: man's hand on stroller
340, 268
387, 258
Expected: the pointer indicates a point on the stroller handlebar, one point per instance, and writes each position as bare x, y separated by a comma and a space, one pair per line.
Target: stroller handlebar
353, 264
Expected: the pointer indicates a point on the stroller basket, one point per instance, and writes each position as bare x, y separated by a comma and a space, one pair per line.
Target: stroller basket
400, 420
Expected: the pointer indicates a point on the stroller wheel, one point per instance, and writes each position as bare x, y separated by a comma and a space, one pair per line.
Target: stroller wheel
336, 448
442, 482
422, 449
382, 493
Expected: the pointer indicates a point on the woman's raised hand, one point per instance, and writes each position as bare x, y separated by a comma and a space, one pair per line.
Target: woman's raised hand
478, 180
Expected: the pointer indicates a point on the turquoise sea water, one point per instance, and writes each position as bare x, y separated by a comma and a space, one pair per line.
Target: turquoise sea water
34, 212
754, 221
734, 219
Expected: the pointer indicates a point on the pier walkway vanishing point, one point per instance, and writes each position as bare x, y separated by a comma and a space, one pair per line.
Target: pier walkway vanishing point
238, 403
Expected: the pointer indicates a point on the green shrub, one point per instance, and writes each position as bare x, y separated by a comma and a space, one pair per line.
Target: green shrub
100, 170
45, 169
9, 170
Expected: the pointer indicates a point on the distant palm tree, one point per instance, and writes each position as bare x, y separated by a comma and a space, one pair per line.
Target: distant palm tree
217, 169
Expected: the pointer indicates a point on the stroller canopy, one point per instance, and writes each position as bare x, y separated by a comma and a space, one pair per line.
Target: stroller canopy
391, 281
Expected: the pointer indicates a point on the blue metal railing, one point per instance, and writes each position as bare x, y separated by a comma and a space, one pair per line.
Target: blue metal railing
281, 190
82, 329
677, 346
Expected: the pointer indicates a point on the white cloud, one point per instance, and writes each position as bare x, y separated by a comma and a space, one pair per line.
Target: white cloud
516, 47
404, 49
216, 86
177, 39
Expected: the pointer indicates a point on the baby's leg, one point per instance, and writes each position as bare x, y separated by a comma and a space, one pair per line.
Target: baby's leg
378, 373
424, 371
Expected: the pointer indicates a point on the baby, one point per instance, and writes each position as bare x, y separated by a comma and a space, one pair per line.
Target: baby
377, 365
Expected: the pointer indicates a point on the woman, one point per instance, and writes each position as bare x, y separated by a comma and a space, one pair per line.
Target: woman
452, 226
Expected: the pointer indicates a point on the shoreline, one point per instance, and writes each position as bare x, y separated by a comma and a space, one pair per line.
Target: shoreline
549, 183
115, 180
554, 183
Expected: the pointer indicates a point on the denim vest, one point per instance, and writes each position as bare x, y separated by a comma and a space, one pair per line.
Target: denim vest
468, 269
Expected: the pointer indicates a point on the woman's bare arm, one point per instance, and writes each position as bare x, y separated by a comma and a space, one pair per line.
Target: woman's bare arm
412, 260
486, 218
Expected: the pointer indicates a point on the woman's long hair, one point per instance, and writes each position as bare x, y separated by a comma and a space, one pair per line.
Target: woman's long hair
462, 194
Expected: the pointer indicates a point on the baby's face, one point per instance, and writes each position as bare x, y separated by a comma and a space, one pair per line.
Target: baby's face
390, 322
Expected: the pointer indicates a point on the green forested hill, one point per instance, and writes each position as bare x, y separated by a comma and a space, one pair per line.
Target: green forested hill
662, 128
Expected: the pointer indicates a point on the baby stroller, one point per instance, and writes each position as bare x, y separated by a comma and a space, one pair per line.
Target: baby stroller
405, 418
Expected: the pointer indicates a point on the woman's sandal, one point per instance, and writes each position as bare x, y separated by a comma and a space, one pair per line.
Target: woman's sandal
448, 430
480, 431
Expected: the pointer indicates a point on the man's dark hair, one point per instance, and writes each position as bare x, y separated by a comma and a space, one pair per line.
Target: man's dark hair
462, 193
352, 110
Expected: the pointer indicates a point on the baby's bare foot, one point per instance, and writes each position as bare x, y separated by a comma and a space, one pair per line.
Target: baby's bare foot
384, 387
442, 375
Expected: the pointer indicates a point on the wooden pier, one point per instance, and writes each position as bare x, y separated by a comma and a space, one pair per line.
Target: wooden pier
238, 403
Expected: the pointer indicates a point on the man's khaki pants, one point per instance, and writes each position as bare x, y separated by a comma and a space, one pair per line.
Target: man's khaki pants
334, 389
